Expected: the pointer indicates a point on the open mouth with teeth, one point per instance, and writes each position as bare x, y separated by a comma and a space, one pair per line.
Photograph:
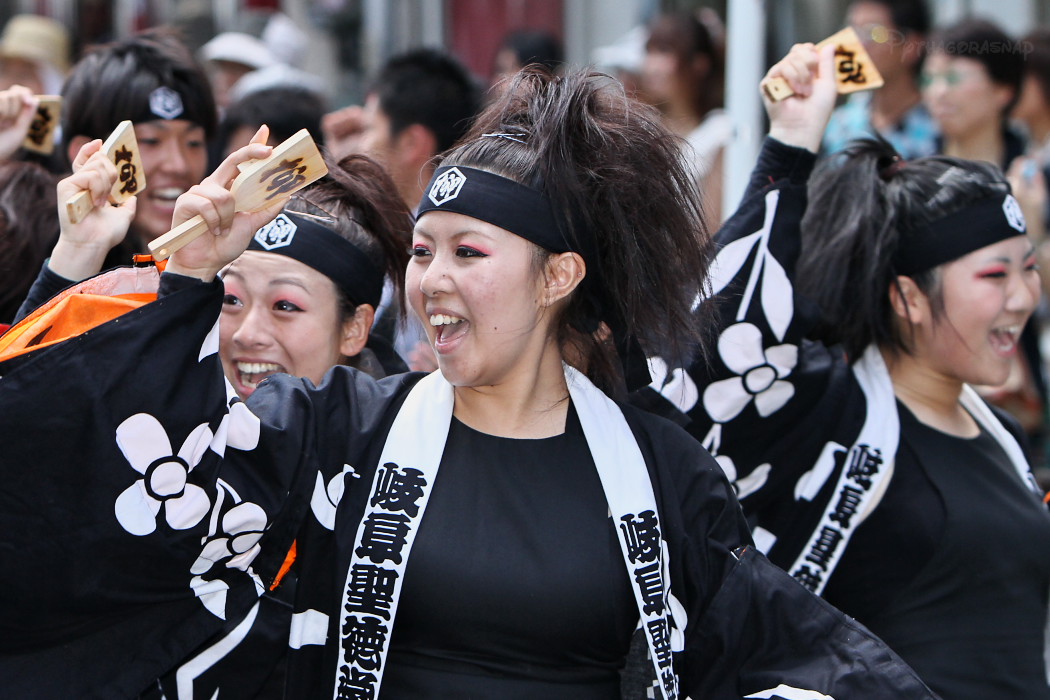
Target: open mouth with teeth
166, 195
249, 374
449, 328
1004, 340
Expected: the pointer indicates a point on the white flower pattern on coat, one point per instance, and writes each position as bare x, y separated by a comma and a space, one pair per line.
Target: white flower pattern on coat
145, 444
237, 541
760, 374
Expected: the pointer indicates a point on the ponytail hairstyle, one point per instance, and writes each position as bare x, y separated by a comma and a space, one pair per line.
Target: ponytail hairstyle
862, 204
614, 177
359, 201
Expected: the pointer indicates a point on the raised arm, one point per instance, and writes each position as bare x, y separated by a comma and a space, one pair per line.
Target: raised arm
229, 231
762, 378
82, 247
17, 109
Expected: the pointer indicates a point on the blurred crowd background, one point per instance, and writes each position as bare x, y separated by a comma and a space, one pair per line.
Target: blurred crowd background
334, 47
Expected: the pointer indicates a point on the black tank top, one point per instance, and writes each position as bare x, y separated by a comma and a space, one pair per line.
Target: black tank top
516, 586
972, 621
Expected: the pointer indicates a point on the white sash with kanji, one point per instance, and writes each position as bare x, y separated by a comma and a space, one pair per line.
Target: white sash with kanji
868, 466
404, 477
864, 476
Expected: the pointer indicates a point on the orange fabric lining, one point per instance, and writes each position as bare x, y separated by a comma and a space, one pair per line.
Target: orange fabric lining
289, 559
70, 317
80, 308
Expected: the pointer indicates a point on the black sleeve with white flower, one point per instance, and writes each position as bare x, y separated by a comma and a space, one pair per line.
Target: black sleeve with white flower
765, 399
142, 504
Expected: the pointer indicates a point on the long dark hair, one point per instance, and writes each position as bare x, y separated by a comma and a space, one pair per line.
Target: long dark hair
862, 202
610, 168
361, 203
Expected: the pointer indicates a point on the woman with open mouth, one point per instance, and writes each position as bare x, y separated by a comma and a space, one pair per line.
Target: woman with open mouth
303, 297
503, 527
839, 399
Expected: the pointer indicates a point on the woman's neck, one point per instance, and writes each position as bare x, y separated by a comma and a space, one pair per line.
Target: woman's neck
985, 143
534, 403
930, 395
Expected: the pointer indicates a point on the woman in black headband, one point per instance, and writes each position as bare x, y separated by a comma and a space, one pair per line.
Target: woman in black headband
498, 528
839, 402
304, 296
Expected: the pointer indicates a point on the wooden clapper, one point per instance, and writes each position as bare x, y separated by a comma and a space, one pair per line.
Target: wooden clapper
854, 69
292, 166
123, 149
41, 135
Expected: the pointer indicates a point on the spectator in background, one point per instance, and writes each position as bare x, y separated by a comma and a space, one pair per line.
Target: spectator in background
240, 64
1033, 107
34, 52
682, 75
971, 81
34, 60
287, 42
524, 47
285, 110
1029, 175
27, 233
230, 56
420, 104
151, 79
893, 32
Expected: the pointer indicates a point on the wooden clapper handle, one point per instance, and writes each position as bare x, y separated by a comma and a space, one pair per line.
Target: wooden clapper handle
123, 149
854, 69
292, 166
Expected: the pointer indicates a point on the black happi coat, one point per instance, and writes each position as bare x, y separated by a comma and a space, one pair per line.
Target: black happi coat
816, 448
144, 509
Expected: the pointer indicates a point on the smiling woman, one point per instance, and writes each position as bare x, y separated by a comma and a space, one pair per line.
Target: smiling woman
303, 297
499, 528
876, 290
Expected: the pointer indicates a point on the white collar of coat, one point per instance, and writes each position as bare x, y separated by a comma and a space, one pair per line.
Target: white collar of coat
868, 467
400, 491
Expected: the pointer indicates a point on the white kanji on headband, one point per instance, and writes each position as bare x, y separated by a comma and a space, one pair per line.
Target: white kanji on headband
1014, 215
447, 186
276, 234
165, 103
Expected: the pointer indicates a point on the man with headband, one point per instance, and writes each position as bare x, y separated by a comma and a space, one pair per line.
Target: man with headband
152, 80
